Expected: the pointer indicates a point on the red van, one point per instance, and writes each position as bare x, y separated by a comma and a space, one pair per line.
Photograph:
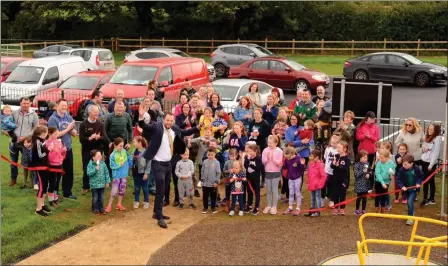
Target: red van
133, 78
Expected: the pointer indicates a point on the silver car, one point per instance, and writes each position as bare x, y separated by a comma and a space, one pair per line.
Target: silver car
54, 50
152, 52
229, 55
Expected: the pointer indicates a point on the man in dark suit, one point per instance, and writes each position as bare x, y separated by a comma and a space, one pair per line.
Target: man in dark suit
166, 140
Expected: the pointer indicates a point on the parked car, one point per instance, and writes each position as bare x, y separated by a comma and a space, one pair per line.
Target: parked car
36, 75
76, 90
232, 90
53, 50
229, 55
8, 64
394, 67
150, 53
280, 72
172, 72
95, 58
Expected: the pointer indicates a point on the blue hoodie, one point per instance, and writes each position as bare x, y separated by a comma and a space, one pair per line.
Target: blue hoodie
120, 171
289, 137
239, 113
61, 124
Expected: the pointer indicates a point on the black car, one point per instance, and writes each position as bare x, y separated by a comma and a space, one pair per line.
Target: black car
54, 50
394, 67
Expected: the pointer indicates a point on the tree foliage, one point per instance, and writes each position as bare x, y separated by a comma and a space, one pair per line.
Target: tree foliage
225, 20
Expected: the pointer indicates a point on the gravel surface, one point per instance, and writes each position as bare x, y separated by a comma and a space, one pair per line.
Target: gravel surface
280, 240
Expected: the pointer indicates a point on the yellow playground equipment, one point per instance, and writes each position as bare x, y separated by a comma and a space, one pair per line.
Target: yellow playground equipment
363, 257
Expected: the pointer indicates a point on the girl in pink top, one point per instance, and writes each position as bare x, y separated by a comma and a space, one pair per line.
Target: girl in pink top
56, 155
316, 181
272, 159
178, 108
368, 133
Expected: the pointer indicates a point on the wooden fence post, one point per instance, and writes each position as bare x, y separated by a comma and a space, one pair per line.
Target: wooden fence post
112, 44
322, 47
163, 41
93, 42
384, 46
293, 46
265, 43
101, 43
187, 46
45, 44
418, 47
117, 44
238, 41
213, 46
141, 42
21, 49
353, 47
83, 43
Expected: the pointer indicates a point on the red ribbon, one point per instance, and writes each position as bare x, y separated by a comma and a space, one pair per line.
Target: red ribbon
372, 194
247, 180
36, 168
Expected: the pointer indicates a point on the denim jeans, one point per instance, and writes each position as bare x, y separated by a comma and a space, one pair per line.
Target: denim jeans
151, 183
98, 200
139, 183
14, 155
411, 196
316, 200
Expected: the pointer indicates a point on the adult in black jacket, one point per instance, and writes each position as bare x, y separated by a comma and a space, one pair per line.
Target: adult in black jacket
185, 119
259, 130
166, 140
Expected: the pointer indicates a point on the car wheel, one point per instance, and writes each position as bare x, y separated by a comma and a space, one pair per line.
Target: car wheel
221, 70
421, 79
301, 84
360, 75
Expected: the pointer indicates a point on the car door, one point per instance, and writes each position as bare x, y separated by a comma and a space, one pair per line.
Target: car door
278, 75
259, 70
52, 50
245, 55
51, 78
232, 55
399, 68
377, 67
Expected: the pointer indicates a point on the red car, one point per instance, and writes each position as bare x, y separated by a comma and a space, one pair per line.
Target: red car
76, 90
280, 72
8, 64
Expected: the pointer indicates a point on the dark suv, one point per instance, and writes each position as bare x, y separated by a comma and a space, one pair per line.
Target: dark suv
229, 55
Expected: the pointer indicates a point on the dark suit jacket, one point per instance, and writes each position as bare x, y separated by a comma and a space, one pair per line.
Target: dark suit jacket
156, 131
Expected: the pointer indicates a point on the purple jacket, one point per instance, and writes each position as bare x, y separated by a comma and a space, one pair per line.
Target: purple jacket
294, 167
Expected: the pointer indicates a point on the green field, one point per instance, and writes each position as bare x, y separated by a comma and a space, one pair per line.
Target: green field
331, 64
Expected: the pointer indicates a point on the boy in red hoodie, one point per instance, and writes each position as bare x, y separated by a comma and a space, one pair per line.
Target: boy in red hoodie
307, 131
56, 155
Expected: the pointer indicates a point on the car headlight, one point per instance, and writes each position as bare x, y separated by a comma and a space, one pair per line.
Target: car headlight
434, 70
319, 78
135, 101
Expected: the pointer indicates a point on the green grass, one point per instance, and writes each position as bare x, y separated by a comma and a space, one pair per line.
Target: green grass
330, 64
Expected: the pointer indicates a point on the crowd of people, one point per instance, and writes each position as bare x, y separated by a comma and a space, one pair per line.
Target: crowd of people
257, 145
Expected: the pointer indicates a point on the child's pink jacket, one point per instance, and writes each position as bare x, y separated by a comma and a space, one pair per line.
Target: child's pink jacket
274, 165
56, 152
316, 175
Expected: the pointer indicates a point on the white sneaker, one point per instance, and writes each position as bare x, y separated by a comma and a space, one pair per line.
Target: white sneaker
145, 205
273, 211
266, 210
331, 204
241, 213
136, 205
36, 187
231, 213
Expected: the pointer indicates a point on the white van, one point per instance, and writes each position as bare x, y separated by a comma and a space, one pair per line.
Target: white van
36, 75
95, 58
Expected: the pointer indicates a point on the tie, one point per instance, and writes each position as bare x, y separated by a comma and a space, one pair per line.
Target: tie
170, 138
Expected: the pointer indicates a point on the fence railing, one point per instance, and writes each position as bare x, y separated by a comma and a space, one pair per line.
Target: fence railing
293, 46
15, 50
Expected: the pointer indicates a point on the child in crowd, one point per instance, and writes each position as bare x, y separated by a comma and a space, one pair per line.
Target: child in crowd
384, 169
98, 179
211, 173
307, 131
202, 143
323, 126
40, 158
56, 155
409, 180
184, 171
316, 181
272, 159
280, 128
402, 151
329, 155
220, 124
120, 162
219, 156
388, 146
237, 138
236, 179
363, 174
254, 169
140, 172
7, 122
26, 161
296, 167
233, 156
341, 169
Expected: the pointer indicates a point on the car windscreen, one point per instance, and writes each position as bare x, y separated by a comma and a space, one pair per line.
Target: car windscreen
105, 55
226, 92
412, 59
294, 65
134, 75
79, 83
25, 75
181, 54
3, 65
263, 50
